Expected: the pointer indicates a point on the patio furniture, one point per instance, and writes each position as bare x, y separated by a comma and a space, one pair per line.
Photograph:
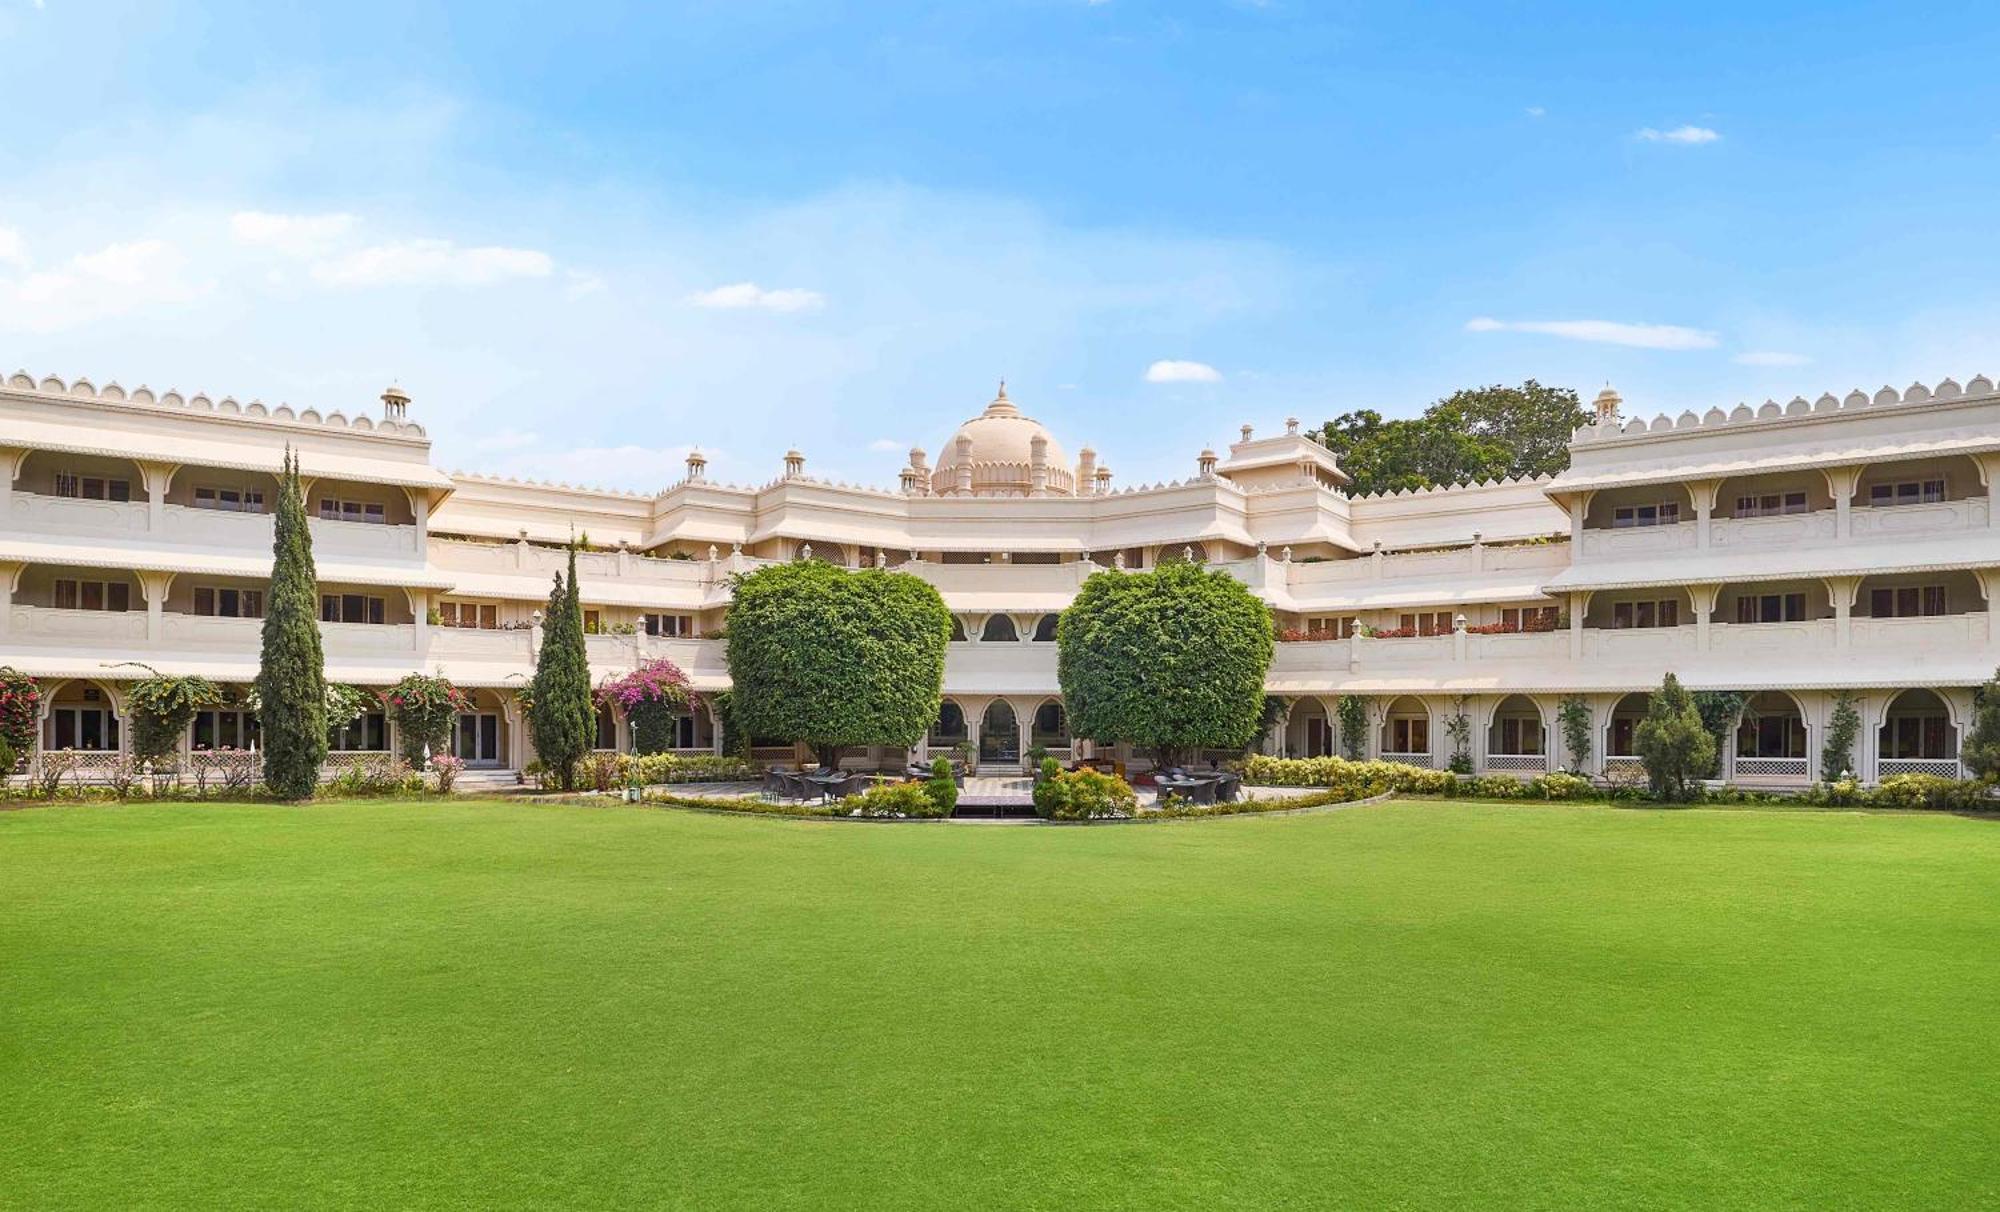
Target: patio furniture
774, 784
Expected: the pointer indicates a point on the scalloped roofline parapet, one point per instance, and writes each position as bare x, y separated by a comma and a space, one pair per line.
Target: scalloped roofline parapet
142, 397
1855, 402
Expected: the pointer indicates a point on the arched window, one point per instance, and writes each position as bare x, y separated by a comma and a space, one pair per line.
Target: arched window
949, 728
1045, 628
1050, 727
999, 627
957, 630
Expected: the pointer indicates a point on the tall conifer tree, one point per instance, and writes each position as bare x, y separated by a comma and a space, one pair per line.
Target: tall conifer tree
561, 713
291, 676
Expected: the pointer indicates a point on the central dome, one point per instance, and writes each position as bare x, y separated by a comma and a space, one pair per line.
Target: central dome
999, 444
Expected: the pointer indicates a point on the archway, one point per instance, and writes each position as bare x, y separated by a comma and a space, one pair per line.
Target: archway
1771, 737
1050, 727
1918, 736
948, 730
1624, 724
1045, 628
999, 733
999, 628
1310, 731
1517, 738
1406, 731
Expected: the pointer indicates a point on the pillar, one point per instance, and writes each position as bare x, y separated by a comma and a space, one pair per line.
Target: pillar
157, 477
1840, 485
1704, 493
1702, 598
154, 585
1579, 604
1024, 724
10, 580
1842, 591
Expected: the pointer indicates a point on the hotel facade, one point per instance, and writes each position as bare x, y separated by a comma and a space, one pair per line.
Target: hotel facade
1786, 551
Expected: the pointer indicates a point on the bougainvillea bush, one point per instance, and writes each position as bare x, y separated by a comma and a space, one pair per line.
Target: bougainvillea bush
422, 707
651, 696
20, 707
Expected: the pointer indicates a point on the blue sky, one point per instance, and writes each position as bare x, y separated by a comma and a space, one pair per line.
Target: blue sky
586, 237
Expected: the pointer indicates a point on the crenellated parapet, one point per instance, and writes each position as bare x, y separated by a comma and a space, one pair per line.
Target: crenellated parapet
23, 383
1610, 427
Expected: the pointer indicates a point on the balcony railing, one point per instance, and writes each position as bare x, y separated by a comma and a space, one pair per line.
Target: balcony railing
203, 529
1515, 763
1408, 759
1944, 768
1770, 767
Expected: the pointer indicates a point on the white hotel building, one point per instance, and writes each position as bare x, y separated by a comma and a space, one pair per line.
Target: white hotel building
1789, 551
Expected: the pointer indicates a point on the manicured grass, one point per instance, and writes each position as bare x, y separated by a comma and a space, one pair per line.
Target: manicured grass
475, 1004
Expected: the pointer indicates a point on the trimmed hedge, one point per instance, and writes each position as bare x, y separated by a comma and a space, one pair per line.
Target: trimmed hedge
1358, 780
684, 768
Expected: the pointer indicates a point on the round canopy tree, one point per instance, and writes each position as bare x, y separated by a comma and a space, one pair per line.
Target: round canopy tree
1169, 661
836, 658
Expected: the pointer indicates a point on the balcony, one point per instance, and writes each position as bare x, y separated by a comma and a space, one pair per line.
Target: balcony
44, 624
43, 517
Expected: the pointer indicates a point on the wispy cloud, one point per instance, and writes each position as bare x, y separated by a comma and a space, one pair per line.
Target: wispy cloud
111, 281
885, 445
297, 235
1603, 332
1173, 371
1685, 135
1769, 357
740, 296
12, 250
1536, 111
432, 263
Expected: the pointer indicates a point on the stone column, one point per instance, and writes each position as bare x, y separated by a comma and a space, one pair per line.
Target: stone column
1840, 485
1579, 604
1842, 591
1702, 599
1704, 493
154, 585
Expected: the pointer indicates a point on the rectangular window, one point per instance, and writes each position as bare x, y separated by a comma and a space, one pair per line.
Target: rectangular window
224, 730
1665, 513
1771, 608
92, 595
351, 608
368, 733
1906, 602
1656, 613
92, 488
592, 622
1410, 735
670, 625
1529, 618
1907, 492
1426, 623
229, 500
229, 603
1330, 628
1771, 504
334, 509
92, 728
481, 615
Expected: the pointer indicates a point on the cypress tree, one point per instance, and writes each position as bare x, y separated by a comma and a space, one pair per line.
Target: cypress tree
291, 675
561, 714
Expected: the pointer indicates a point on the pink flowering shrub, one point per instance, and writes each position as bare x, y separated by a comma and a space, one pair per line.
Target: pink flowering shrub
651, 696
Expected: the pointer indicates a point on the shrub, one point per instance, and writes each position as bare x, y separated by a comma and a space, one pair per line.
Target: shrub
1981, 751
1499, 787
600, 770
1573, 716
391, 776
1672, 741
1931, 791
911, 799
423, 707
291, 669
1356, 780
447, 768
1559, 786
651, 696
561, 717
942, 786
653, 768
20, 708
1837, 752
1352, 712
160, 708
1085, 795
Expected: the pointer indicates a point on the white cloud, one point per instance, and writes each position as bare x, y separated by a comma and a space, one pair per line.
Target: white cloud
581, 284
431, 263
885, 444
741, 295
1172, 371
1688, 135
296, 235
115, 279
1536, 111
1769, 357
12, 251
1603, 332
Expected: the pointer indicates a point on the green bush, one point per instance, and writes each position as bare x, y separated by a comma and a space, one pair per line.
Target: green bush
892, 799
942, 786
1084, 795
1358, 780
1931, 791
1560, 786
388, 777
1498, 787
683, 768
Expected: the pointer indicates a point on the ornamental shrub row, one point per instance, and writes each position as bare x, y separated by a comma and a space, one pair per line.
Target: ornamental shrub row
912, 799
652, 768
1082, 795
1357, 779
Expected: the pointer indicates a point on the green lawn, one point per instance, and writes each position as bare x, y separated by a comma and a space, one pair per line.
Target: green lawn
473, 1004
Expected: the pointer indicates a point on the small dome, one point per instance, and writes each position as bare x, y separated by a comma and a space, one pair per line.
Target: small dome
1002, 435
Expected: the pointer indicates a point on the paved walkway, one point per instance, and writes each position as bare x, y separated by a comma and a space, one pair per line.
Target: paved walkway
980, 791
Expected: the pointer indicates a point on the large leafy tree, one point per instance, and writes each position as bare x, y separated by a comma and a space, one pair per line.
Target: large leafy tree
562, 716
1981, 751
834, 657
291, 674
1169, 661
1479, 433
1676, 747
